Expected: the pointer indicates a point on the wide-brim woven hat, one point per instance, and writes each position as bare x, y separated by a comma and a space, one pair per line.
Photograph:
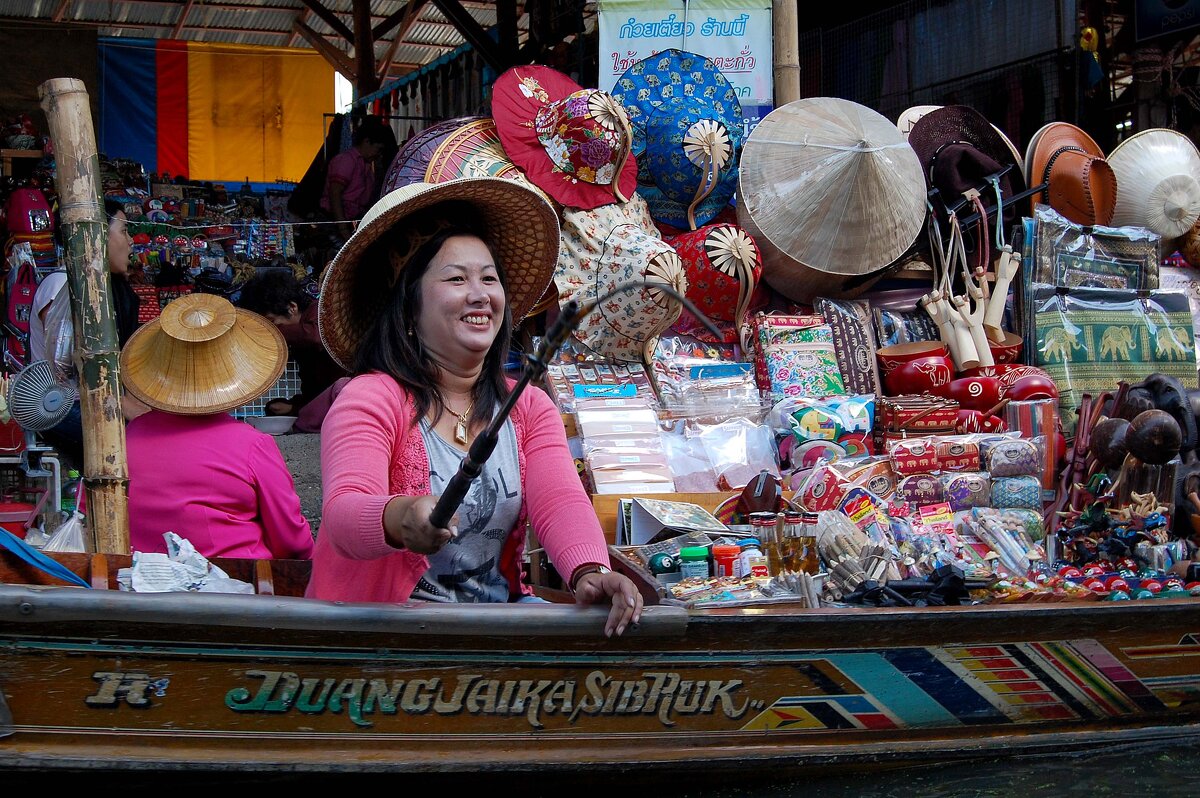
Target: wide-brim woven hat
1082, 185
358, 282
202, 355
960, 149
831, 193
910, 116
412, 160
603, 248
573, 143
1158, 179
723, 267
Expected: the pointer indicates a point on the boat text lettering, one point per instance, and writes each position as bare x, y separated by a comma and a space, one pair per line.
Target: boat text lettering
665, 695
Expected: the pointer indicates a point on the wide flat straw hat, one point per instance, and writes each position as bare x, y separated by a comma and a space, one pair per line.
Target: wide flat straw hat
832, 193
359, 281
201, 356
1158, 179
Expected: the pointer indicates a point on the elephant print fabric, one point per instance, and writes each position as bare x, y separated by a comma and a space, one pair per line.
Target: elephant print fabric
1091, 338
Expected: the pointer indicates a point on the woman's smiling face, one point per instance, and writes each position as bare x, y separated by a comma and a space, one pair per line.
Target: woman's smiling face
462, 302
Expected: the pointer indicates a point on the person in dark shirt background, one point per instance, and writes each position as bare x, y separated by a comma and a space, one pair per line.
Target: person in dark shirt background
281, 298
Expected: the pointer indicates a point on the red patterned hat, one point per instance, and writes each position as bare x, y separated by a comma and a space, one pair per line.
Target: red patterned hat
571, 142
723, 267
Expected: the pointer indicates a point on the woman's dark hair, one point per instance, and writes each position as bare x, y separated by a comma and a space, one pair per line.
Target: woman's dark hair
271, 290
392, 347
112, 206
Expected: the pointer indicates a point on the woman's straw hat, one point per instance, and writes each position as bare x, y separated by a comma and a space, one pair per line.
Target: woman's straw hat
358, 283
831, 193
202, 355
1158, 179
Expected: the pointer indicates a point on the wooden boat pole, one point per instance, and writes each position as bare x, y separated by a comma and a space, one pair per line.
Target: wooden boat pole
786, 33
97, 353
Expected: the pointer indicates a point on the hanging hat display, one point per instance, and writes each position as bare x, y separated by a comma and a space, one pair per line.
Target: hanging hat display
1158, 172
602, 248
571, 142
831, 193
910, 116
1081, 185
723, 266
687, 130
411, 161
959, 150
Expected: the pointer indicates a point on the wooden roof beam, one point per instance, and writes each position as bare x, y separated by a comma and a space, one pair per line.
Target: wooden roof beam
187, 7
474, 33
404, 17
336, 58
330, 19
60, 10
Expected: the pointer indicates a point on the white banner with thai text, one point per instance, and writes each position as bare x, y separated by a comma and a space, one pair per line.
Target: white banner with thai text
735, 34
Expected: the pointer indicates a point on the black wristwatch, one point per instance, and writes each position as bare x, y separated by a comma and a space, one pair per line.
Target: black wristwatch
584, 570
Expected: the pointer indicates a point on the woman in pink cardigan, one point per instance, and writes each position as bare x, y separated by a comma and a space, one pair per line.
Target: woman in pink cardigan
419, 305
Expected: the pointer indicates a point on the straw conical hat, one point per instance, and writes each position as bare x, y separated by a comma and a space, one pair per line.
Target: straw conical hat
831, 192
202, 355
1158, 182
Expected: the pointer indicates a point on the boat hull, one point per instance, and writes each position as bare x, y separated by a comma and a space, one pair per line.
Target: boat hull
115, 680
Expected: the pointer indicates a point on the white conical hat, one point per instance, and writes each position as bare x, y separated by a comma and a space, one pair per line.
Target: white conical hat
1158, 182
831, 192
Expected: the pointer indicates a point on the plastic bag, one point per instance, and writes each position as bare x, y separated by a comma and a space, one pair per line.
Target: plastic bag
68, 537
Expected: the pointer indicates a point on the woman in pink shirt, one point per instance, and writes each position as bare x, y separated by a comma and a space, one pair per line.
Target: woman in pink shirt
419, 304
193, 469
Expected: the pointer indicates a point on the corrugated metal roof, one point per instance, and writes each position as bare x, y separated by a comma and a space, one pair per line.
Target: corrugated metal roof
258, 22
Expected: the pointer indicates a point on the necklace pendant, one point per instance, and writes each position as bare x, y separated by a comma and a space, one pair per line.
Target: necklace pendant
460, 430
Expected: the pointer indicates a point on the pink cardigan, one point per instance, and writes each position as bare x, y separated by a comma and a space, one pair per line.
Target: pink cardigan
216, 481
370, 452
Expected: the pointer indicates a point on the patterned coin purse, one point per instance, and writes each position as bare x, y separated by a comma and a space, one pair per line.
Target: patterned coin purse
1017, 492
921, 489
1014, 458
965, 491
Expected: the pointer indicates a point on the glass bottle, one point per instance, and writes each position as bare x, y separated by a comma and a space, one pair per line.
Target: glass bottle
764, 527
808, 558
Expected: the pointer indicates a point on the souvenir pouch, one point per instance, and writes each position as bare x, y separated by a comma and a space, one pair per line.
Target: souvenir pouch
964, 491
854, 343
913, 456
844, 420
1017, 492
898, 417
875, 474
1069, 255
804, 369
769, 329
1014, 458
921, 489
1089, 339
822, 490
957, 454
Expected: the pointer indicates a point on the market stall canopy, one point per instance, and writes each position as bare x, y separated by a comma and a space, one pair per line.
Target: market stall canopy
832, 193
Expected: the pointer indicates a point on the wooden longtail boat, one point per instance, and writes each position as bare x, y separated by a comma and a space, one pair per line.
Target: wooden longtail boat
105, 679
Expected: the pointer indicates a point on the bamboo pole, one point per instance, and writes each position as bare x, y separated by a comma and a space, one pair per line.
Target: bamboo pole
97, 354
786, 32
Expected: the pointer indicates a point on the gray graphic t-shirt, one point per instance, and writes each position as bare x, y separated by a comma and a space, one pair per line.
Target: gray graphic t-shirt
467, 569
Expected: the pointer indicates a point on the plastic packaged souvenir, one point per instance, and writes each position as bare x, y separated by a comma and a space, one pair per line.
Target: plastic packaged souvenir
794, 356
843, 422
854, 342
738, 449
964, 491
1017, 457
1019, 492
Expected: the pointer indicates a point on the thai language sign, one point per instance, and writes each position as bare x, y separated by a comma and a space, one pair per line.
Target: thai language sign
735, 34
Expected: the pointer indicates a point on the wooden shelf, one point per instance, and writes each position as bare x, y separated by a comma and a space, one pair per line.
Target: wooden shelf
8, 156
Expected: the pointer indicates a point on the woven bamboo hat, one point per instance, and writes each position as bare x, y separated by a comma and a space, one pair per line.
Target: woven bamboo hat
1158, 175
201, 356
831, 193
358, 283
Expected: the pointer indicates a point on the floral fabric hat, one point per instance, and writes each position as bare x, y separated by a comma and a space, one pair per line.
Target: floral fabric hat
687, 130
723, 266
599, 250
571, 142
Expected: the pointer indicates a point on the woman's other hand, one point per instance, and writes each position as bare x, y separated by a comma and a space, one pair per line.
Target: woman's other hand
595, 587
406, 525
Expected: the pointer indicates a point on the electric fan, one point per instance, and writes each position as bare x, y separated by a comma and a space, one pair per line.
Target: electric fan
36, 400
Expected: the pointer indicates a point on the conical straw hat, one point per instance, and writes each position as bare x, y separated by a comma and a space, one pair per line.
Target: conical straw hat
831, 192
1158, 182
202, 355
